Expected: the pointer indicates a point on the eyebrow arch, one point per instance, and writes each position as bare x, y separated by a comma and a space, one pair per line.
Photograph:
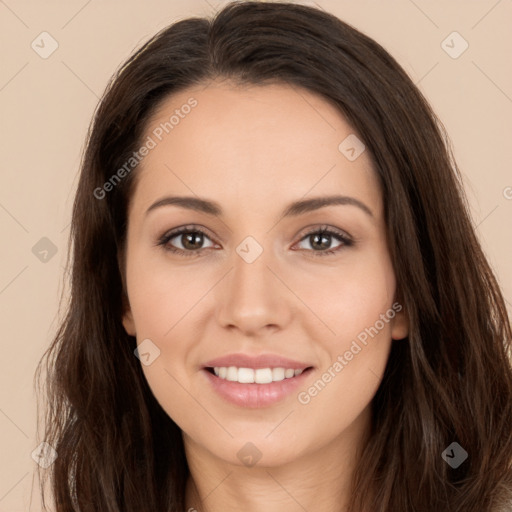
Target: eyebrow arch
292, 210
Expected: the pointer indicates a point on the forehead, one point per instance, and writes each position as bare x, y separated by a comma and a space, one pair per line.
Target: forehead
253, 143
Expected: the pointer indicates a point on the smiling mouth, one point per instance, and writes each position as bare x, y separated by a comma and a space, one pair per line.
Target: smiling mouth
256, 375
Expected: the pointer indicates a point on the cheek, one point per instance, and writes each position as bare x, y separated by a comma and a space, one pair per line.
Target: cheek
356, 308
161, 295
354, 362
162, 307
348, 297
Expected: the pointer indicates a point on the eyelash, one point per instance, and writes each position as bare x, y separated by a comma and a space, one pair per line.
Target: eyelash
324, 230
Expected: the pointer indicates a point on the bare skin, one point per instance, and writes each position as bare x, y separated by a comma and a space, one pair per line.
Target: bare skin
253, 150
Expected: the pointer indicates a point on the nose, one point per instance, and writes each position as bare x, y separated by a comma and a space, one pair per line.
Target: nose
253, 297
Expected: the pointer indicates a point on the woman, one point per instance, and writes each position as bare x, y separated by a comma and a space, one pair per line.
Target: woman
278, 301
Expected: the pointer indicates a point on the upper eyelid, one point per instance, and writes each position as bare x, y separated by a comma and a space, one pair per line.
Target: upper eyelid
187, 229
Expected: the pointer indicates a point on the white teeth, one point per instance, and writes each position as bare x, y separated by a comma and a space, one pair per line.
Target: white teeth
278, 374
232, 373
245, 375
263, 376
258, 376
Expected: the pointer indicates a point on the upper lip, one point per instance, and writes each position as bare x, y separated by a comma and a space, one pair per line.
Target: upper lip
261, 361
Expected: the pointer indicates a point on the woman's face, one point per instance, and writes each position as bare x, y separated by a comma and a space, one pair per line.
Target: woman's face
258, 284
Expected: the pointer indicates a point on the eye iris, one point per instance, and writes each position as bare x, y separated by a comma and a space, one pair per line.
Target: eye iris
190, 239
323, 238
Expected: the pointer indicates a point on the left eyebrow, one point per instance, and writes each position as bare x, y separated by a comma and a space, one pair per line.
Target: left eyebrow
315, 203
292, 210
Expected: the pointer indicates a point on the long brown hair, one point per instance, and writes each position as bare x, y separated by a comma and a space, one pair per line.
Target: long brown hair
449, 381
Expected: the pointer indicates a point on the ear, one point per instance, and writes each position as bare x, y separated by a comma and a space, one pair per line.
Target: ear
128, 322
400, 322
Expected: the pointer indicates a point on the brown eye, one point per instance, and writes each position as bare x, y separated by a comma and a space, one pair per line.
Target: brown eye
191, 240
320, 241
187, 241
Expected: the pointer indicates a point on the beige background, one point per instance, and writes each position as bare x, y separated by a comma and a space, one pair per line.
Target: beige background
46, 106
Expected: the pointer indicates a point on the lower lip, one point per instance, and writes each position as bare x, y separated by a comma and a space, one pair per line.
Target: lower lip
255, 395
